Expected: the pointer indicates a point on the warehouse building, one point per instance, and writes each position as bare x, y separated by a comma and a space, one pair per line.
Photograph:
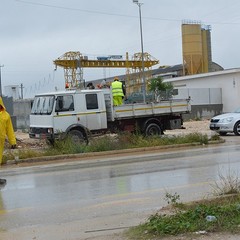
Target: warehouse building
221, 88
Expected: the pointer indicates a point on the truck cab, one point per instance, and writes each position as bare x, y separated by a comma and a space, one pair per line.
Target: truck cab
71, 112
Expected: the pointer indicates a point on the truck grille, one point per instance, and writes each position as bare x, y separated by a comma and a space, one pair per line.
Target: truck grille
39, 130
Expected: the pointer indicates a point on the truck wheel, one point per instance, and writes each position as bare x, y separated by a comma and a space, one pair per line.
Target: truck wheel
153, 129
77, 137
236, 129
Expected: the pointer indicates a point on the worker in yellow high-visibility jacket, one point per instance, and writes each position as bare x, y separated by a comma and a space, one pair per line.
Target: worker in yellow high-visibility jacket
117, 92
6, 130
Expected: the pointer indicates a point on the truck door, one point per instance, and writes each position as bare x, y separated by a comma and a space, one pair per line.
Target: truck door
65, 114
96, 113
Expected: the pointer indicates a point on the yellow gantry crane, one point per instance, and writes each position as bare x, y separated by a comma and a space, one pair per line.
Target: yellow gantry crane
74, 62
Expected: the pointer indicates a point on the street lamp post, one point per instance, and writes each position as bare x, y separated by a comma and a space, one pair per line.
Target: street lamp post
143, 75
1, 79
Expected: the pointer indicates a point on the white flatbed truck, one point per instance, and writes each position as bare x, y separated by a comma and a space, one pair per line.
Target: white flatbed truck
81, 113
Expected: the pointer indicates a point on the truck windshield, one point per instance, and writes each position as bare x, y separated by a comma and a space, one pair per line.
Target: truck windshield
42, 105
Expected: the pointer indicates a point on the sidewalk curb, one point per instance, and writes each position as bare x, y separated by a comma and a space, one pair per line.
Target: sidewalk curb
107, 153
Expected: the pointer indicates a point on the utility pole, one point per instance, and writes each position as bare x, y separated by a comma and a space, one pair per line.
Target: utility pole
143, 74
21, 87
1, 79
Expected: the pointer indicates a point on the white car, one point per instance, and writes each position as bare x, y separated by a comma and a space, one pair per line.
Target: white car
226, 123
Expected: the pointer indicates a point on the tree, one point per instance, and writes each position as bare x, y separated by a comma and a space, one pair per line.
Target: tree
160, 89
157, 85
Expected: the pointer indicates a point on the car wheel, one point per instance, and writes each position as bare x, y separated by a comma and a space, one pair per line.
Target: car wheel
236, 129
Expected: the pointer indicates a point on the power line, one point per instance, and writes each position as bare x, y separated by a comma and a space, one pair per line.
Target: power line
222, 9
74, 9
116, 14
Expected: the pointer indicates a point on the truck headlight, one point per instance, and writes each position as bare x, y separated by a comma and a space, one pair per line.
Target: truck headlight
50, 130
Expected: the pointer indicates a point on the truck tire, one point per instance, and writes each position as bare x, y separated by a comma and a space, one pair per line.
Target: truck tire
77, 137
153, 129
236, 128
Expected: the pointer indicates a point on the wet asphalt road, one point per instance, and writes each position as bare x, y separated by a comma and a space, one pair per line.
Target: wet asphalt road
81, 199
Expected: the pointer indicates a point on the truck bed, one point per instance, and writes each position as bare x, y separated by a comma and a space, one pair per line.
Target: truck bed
145, 109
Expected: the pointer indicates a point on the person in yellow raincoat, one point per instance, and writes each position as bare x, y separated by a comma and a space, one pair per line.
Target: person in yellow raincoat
6, 130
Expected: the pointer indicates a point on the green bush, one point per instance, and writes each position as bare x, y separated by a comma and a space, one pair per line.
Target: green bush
65, 146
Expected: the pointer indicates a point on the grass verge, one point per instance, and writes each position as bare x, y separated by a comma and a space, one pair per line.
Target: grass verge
192, 218
127, 141
108, 143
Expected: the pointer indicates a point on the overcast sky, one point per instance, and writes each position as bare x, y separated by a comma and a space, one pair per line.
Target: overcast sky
36, 32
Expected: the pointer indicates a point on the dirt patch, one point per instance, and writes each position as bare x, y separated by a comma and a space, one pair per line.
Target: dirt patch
193, 127
25, 142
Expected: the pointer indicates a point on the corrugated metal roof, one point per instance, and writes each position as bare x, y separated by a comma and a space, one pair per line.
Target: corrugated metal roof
202, 75
166, 69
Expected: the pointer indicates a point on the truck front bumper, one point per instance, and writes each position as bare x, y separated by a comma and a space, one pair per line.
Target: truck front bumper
41, 133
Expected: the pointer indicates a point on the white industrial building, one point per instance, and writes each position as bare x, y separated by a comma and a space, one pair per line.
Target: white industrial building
224, 87
12, 91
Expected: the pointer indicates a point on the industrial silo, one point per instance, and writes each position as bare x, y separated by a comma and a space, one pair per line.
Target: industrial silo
207, 50
196, 47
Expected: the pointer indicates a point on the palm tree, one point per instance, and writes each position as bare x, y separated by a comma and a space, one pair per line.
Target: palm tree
161, 89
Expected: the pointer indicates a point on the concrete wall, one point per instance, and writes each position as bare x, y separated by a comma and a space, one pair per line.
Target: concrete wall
8, 103
205, 102
201, 96
22, 110
203, 111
